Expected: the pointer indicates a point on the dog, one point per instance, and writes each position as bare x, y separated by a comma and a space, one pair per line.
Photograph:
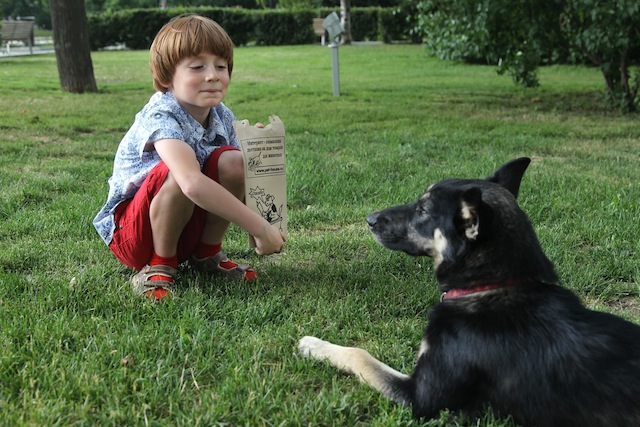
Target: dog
505, 336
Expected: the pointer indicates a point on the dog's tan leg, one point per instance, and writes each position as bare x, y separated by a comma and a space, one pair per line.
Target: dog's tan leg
360, 363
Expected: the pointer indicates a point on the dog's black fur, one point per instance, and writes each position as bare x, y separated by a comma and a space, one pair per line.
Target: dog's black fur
505, 335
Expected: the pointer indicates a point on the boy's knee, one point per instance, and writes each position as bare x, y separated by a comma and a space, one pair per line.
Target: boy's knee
231, 167
172, 193
170, 200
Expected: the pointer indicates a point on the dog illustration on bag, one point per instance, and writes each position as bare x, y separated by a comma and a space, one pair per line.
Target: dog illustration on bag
266, 205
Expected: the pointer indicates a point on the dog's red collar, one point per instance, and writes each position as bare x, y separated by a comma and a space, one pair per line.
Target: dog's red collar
481, 287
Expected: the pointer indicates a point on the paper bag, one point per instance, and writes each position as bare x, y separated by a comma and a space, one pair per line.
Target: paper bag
265, 170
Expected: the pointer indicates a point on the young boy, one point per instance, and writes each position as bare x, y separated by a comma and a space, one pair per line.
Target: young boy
178, 175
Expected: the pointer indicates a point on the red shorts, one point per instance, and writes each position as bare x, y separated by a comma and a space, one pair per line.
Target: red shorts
132, 240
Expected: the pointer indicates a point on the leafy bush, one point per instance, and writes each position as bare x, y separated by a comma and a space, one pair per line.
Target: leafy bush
516, 35
136, 28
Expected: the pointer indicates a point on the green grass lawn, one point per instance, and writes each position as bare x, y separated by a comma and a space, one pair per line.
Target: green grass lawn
76, 348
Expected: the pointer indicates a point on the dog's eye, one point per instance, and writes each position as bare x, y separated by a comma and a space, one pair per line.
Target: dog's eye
422, 210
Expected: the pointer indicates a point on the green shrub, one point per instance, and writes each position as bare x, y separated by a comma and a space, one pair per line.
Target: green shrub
278, 27
365, 24
136, 28
236, 25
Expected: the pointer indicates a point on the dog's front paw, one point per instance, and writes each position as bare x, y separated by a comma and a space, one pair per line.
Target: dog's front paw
312, 347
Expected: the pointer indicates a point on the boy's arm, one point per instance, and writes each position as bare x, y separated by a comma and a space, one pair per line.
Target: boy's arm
214, 198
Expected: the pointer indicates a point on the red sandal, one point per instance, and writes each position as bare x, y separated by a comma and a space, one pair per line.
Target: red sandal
158, 289
213, 265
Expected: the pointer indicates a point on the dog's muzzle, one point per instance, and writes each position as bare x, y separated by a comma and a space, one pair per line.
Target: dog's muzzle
372, 219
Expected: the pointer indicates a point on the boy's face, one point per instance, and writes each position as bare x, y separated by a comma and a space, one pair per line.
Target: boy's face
199, 83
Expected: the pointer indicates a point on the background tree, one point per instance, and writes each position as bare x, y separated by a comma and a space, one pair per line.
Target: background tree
608, 34
71, 43
520, 35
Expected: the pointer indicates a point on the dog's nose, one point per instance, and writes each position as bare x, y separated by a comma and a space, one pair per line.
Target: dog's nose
372, 219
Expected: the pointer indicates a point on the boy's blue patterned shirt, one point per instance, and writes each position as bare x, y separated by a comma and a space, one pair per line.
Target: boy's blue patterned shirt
162, 118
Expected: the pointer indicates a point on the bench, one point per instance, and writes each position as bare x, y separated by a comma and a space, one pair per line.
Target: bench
21, 31
318, 29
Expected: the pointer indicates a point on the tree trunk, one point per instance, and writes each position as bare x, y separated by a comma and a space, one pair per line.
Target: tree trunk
629, 93
345, 20
71, 42
620, 92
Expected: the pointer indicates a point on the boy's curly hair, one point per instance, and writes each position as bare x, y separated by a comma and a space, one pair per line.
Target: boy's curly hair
184, 36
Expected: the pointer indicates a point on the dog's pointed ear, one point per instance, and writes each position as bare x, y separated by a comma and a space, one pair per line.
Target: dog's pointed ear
470, 212
510, 174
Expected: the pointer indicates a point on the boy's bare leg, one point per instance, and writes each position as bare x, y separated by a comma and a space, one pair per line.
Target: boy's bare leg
170, 212
231, 177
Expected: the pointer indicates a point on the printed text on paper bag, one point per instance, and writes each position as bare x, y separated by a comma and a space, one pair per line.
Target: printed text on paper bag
266, 157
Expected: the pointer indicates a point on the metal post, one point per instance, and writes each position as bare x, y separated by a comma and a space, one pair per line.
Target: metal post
335, 67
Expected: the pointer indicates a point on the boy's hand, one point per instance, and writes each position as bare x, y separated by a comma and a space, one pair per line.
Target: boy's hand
270, 241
